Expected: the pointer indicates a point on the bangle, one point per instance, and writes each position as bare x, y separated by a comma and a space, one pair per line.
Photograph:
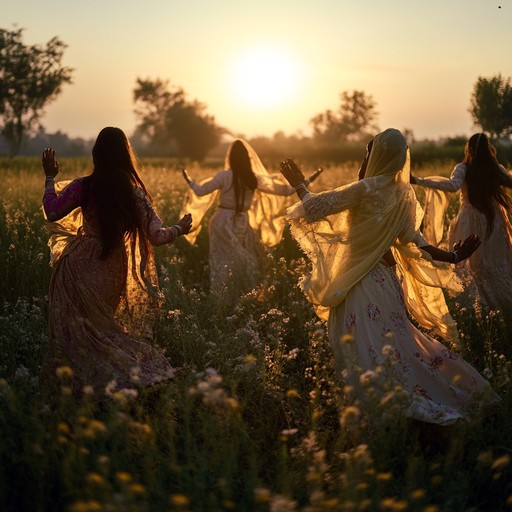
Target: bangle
456, 257
48, 180
179, 228
301, 186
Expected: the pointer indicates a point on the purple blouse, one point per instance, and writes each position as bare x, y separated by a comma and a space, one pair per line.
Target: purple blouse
56, 206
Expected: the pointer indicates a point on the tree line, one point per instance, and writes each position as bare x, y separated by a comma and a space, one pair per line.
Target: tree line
170, 124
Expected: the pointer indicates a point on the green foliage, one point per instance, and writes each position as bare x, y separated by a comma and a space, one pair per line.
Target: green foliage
171, 124
255, 418
354, 119
491, 105
31, 77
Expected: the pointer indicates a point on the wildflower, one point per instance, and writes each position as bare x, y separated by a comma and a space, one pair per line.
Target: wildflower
417, 494
95, 478
64, 372
262, 494
137, 488
282, 504
123, 476
384, 477
292, 393
250, 359
88, 390
289, 432
350, 417
63, 428
179, 500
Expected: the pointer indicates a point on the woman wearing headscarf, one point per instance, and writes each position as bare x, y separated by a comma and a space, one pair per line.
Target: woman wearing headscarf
371, 267
484, 210
251, 209
104, 287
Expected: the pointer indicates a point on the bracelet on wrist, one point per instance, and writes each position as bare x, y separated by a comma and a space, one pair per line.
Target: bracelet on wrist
49, 179
179, 229
300, 186
456, 257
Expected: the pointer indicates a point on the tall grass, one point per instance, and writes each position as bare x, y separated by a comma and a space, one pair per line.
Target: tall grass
255, 418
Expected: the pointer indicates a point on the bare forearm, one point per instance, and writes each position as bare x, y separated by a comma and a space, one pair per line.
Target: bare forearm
439, 254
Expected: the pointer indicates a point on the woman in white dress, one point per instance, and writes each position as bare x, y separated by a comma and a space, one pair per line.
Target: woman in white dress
484, 210
370, 268
251, 209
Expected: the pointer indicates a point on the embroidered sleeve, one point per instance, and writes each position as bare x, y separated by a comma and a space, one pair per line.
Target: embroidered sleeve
56, 206
209, 186
326, 203
451, 184
157, 233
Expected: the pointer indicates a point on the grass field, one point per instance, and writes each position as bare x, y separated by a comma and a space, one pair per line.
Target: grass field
255, 420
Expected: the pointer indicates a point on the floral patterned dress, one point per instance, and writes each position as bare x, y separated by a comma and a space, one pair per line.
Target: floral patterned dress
370, 331
235, 253
487, 274
100, 310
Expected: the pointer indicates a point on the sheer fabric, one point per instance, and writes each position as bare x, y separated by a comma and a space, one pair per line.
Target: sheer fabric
487, 274
101, 311
345, 233
235, 236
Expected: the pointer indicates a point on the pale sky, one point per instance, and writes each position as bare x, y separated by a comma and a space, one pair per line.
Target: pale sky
271, 65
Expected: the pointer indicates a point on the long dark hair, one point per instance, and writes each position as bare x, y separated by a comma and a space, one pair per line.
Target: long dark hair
243, 175
484, 177
112, 186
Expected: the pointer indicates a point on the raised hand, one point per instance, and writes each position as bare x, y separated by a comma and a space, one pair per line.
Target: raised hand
187, 177
49, 162
186, 223
465, 249
291, 172
315, 175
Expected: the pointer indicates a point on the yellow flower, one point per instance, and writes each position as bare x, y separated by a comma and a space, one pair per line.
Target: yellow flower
137, 488
249, 358
123, 476
262, 494
179, 500
63, 372
417, 494
95, 478
63, 428
384, 477
292, 393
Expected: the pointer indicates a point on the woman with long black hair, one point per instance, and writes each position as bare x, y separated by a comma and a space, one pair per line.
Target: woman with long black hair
251, 209
484, 209
104, 287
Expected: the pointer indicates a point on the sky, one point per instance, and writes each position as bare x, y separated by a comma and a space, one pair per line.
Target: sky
271, 65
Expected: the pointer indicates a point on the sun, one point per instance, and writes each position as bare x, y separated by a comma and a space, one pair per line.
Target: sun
264, 76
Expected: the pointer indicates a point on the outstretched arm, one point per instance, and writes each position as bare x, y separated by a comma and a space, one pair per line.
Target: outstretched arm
462, 250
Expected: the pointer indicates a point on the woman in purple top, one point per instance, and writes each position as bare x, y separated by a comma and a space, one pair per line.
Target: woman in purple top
104, 287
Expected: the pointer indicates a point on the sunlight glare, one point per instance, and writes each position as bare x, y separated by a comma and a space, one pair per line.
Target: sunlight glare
264, 77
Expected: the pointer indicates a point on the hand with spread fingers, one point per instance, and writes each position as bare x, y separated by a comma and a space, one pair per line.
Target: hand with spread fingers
465, 249
49, 162
291, 172
186, 223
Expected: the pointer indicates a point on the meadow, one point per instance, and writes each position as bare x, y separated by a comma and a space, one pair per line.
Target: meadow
256, 418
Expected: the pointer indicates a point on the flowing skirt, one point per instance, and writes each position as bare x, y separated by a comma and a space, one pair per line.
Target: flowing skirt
234, 259
487, 274
375, 344
95, 322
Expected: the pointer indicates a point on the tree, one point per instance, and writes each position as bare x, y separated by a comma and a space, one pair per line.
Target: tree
354, 119
170, 123
31, 77
491, 106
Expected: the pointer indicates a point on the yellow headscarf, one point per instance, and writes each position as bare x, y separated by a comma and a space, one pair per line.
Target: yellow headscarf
346, 231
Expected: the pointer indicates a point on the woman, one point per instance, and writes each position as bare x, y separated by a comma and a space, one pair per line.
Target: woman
484, 210
104, 289
251, 201
355, 284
